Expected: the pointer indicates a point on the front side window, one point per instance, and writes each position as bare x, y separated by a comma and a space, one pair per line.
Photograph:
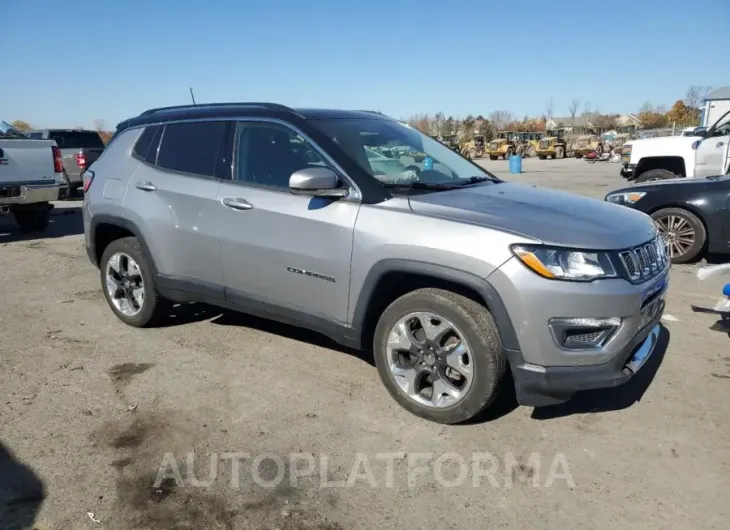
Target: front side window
268, 154
397, 154
192, 147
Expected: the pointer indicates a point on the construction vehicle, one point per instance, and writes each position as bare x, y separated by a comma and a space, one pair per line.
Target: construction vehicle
451, 141
587, 143
534, 140
503, 145
553, 145
474, 148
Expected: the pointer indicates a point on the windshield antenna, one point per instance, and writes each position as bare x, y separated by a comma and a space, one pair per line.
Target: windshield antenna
192, 95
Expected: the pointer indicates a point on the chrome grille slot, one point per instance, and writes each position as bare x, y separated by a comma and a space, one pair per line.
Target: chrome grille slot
645, 261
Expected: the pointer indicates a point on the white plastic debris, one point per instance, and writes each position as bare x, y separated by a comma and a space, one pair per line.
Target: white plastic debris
669, 318
93, 517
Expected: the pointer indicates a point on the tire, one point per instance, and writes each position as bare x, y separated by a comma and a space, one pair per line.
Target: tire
508, 154
682, 220
559, 153
475, 326
541, 157
153, 307
493, 157
656, 174
33, 220
577, 155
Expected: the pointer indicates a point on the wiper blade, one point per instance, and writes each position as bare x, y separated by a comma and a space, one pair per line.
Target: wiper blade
475, 180
422, 185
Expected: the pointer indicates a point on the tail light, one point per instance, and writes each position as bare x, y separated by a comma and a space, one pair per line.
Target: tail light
57, 160
81, 161
88, 179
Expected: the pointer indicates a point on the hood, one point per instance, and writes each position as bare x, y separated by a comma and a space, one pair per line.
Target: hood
723, 180
552, 217
668, 144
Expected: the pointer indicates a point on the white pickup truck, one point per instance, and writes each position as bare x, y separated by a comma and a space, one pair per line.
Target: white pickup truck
31, 176
701, 154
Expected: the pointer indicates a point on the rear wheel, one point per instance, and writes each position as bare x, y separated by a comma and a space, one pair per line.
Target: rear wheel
578, 155
559, 152
541, 157
508, 154
493, 157
683, 231
439, 354
33, 219
129, 285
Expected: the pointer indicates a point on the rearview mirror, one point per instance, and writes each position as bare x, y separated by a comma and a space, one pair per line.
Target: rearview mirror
316, 182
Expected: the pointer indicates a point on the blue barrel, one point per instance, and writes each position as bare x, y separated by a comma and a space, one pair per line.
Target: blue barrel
726, 290
515, 164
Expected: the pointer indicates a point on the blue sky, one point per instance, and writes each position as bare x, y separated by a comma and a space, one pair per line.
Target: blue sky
69, 63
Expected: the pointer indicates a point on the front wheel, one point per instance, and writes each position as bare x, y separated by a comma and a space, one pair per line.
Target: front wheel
439, 354
656, 174
683, 231
493, 157
559, 152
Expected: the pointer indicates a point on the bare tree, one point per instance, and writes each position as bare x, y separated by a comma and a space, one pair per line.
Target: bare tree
549, 109
500, 118
695, 95
573, 109
99, 125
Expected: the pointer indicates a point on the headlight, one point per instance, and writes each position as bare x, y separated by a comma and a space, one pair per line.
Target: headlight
565, 264
625, 198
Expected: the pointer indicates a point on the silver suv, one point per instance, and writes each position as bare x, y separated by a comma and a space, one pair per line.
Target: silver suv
362, 228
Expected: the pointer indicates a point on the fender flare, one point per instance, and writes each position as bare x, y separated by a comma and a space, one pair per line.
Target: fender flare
121, 223
490, 297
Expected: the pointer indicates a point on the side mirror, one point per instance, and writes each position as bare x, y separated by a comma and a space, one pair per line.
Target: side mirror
316, 182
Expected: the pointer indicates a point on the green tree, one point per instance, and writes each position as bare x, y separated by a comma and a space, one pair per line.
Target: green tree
22, 126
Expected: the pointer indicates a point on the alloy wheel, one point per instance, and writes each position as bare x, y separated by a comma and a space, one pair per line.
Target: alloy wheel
124, 284
678, 234
430, 360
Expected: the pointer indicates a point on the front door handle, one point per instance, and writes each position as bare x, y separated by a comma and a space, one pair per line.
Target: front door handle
237, 203
720, 144
145, 186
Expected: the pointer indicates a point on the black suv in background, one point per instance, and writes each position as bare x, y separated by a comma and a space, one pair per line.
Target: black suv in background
79, 149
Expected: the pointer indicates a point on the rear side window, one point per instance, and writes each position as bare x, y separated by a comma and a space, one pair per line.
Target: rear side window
146, 146
192, 147
77, 139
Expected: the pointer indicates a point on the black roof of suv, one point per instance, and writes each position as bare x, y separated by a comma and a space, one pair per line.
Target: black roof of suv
230, 110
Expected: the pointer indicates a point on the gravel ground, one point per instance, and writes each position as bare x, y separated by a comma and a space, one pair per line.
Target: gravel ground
91, 409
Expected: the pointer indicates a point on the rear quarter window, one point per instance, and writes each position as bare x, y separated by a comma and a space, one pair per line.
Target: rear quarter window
147, 144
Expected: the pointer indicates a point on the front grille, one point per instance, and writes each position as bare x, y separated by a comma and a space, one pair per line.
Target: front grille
646, 261
544, 144
494, 146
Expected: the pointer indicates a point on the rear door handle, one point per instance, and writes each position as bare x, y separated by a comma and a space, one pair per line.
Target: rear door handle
237, 203
145, 186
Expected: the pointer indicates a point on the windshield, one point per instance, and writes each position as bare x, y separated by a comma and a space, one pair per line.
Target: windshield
395, 153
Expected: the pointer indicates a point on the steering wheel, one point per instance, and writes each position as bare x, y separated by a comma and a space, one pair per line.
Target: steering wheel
414, 168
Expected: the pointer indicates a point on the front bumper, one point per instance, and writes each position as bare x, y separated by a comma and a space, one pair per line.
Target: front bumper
545, 371
627, 171
538, 386
17, 193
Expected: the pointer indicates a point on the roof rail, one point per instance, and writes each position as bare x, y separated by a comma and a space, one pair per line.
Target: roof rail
272, 106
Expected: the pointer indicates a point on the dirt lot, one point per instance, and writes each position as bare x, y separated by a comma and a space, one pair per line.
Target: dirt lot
90, 408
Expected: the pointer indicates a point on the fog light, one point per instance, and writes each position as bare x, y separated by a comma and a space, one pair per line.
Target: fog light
583, 333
